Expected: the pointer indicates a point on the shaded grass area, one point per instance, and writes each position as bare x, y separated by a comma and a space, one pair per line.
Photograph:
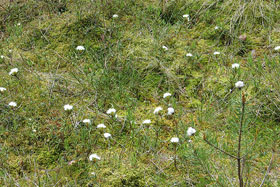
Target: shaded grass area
124, 66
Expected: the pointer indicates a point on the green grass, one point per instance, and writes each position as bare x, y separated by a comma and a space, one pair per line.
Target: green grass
124, 67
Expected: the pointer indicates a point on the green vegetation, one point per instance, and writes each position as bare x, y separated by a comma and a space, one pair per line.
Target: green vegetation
124, 66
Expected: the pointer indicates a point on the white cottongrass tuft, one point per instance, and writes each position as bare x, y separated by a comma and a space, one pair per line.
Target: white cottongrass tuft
216, 53
164, 47
157, 109
80, 48
99, 126
86, 121
111, 111
186, 16
190, 141
170, 111
2, 56
147, 121
167, 94
239, 84
13, 104
94, 156
190, 131
216, 28
68, 107
235, 65
18, 24
13, 71
107, 135
277, 48
2, 89
189, 54
92, 173
115, 16
174, 140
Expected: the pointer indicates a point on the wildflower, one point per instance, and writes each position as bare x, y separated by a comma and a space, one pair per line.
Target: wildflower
92, 156
2, 89
80, 48
170, 111
10, 51
190, 141
147, 121
13, 104
86, 121
174, 140
191, 131
115, 16
189, 54
166, 95
239, 84
235, 65
107, 135
157, 110
13, 71
68, 107
186, 16
18, 24
101, 126
92, 173
277, 48
111, 110
2, 56
216, 53
216, 28
164, 47
34, 130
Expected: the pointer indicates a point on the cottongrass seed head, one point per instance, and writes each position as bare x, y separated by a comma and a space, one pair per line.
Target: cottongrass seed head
174, 140
239, 84
146, 121
2, 89
107, 135
94, 156
170, 111
166, 95
86, 121
68, 107
190, 131
80, 48
111, 111
115, 16
189, 55
13, 71
235, 66
99, 126
277, 48
216, 53
164, 47
13, 104
157, 110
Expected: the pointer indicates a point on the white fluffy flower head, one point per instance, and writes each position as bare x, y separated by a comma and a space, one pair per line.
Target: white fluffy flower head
216, 53
2, 89
239, 84
94, 156
68, 107
164, 47
115, 16
170, 111
107, 135
80, 48
13, 104
235, 65
166, 95
190, 131
189, 54
99, 126
174, 140
186, 16
86, 121
13, 71
111, 111
277, 48
216, 28
2, 56
157, 109
147, 121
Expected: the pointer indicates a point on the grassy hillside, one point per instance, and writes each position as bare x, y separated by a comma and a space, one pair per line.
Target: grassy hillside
132, 53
